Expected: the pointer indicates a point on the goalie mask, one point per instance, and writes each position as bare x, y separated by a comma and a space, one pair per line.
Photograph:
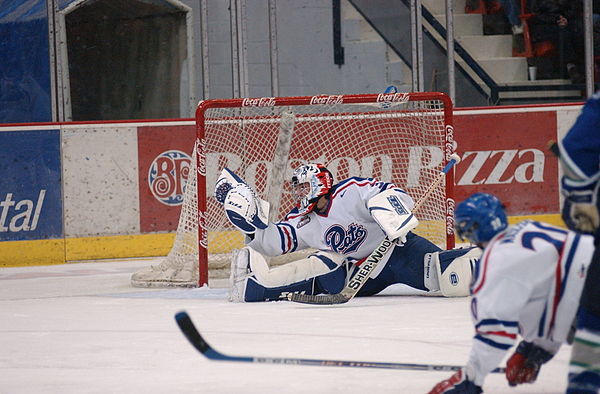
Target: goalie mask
309, 183
479, 218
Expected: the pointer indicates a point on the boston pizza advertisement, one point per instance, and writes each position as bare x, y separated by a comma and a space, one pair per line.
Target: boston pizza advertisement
503, 152
506, 154
164, 157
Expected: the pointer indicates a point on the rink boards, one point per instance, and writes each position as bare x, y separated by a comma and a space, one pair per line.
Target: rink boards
80, 191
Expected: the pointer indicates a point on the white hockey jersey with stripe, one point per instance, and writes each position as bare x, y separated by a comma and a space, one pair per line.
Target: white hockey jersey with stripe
528, 282
346, 227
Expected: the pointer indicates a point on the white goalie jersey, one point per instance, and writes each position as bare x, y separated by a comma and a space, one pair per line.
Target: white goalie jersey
528, 283
347, 227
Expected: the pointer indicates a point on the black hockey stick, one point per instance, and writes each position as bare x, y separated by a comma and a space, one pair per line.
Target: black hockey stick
191, 333
369, 265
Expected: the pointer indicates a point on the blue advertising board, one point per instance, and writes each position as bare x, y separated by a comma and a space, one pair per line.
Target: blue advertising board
30, 185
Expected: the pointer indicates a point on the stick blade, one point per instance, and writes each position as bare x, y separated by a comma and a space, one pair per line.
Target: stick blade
553, 147
329, 299
191, 333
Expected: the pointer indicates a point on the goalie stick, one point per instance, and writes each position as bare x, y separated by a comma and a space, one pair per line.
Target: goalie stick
191, 333
367, 267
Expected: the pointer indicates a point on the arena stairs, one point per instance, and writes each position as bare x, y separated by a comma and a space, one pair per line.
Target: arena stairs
486, 60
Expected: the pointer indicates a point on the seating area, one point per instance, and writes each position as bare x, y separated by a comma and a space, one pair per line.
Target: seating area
542, 54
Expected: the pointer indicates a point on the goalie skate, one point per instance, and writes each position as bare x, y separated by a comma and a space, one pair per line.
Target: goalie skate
165, 274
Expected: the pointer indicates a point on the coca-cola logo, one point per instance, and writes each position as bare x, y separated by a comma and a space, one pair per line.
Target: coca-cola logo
200, 145
203, 230
167, 176
259, 102
327, 100
393, 98
450, 145
450, 208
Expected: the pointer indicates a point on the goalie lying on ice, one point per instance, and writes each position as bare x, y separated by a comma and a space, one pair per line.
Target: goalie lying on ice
344, 223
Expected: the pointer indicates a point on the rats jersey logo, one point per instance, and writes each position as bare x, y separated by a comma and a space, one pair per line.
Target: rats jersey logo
345, 241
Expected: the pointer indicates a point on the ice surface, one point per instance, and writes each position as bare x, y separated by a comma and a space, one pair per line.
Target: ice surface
81, 328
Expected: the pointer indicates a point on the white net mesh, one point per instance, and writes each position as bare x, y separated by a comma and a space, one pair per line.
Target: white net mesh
404, 143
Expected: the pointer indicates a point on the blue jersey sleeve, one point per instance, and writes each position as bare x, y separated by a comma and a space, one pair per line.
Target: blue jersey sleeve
580, 148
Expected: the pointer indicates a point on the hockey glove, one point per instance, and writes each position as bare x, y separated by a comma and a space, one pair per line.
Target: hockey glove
456, 384
244, 210
580, 208
524, 365
226, 181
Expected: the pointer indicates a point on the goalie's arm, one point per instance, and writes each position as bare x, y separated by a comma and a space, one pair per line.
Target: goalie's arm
391, 209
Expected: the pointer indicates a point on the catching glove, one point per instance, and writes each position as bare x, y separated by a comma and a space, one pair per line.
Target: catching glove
456, 384
580, 208
524, 365
243, 208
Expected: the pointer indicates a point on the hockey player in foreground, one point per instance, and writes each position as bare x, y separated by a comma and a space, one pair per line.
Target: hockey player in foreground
344, 223
527, 282
580, 162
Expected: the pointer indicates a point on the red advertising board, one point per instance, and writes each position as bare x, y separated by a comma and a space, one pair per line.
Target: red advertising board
503, 153
164, 155
506, 154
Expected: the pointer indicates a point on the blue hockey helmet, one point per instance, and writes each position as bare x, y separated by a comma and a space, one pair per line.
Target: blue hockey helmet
479, 218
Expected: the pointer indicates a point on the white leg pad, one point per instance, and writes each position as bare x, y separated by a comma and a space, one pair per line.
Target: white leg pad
455, 274
296, 271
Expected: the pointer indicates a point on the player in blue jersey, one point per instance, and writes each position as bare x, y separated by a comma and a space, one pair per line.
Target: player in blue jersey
343, 224
527, 284
580, 161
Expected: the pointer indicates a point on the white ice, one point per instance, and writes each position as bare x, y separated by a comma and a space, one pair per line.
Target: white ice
81, 328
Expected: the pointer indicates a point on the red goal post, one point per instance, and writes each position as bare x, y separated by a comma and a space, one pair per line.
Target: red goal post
403, 138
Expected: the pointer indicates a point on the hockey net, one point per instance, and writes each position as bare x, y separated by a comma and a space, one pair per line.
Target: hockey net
403, 138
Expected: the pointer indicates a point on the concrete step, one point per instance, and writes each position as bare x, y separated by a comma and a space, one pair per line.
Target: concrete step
398, 73
539, 94
502, 69
480, 46
348, 11
505, 69
360, 39
464, 24
355, 27
439, 6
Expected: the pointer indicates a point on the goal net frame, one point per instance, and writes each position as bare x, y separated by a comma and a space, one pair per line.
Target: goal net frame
374, 100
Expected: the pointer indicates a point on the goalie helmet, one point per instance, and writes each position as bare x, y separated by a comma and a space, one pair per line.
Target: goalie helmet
479, 218
309, 183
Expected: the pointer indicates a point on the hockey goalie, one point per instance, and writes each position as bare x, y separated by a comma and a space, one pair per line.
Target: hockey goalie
344, 223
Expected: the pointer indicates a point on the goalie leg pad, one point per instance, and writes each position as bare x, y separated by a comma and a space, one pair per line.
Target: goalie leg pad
255, 291
316, 264
321, 272
454, 269
239, 274
331, 283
